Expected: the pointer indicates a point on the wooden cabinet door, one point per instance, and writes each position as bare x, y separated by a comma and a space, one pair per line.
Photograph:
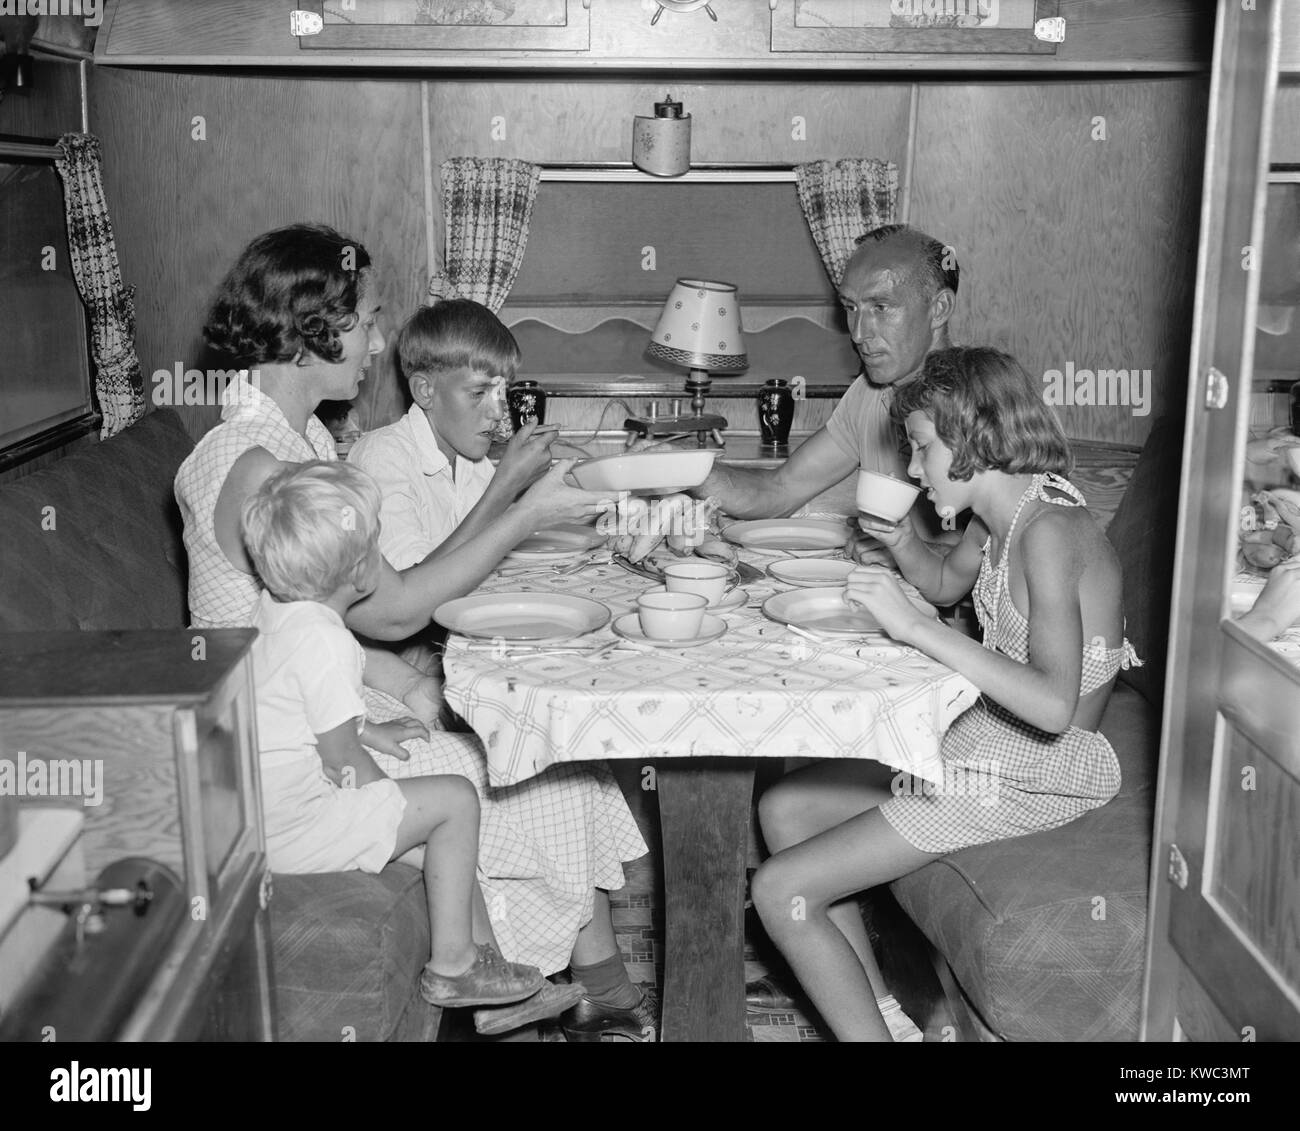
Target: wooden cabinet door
1224, 939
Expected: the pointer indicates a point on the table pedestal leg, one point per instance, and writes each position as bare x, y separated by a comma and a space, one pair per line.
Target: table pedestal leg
704, 807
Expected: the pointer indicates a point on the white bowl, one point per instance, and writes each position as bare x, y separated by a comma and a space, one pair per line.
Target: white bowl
654, 473
883, 496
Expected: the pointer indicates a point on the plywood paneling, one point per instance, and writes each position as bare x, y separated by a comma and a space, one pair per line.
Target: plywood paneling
1074, 250
53, 105
276, 150
737, 121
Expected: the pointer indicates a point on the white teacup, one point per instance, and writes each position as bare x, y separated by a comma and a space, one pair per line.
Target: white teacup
671, 616
884, 497
708, 579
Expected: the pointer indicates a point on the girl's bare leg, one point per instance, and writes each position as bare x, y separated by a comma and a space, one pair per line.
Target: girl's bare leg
800, 892
442, 814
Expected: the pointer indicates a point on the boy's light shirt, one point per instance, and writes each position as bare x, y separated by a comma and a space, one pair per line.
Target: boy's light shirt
422, 501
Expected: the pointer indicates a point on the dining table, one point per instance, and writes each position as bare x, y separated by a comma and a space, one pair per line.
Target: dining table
698, 718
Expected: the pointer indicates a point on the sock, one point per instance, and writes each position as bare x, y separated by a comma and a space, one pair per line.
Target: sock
901, 1027
607, 982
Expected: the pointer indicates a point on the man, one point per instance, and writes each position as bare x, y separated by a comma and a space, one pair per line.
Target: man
898, 292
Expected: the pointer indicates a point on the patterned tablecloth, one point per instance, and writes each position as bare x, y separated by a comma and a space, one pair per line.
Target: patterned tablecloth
759, 690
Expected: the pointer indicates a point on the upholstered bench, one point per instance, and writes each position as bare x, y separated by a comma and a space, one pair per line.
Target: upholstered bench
1045, 935
94, 542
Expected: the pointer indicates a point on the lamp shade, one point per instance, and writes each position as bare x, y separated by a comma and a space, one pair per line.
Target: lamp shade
699, 327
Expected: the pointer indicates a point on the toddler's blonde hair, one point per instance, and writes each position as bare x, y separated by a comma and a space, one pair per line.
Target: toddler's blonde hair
308, 526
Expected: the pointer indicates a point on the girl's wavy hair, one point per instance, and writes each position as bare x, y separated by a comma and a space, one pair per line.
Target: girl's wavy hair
292, 290
457, 333
988, 411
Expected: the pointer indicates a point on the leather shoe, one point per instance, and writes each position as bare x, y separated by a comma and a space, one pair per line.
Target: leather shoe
589, 1021
764, 993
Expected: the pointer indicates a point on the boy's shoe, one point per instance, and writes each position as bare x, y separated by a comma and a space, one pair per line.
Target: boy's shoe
490, 981
588, 1021
550, 1001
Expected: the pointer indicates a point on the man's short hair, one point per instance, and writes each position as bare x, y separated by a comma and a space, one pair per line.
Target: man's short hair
457, 333
987, 411
292, 289
933, 256
308, 526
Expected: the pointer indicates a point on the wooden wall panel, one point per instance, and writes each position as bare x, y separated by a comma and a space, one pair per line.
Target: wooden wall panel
344, 151
1073, 250
53, 106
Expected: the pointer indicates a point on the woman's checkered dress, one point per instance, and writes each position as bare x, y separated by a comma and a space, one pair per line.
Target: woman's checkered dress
1003, 777
544, 844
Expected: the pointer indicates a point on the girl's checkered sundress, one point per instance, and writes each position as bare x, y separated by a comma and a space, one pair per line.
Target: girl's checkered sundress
1003, 777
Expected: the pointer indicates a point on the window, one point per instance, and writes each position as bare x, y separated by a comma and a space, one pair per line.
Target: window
45, 390
603, 254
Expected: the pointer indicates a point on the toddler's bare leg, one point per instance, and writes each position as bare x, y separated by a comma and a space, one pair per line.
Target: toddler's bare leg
442, 814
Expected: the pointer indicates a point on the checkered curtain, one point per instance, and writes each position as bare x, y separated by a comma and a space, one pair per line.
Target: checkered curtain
110, 305
486, 204
843, 201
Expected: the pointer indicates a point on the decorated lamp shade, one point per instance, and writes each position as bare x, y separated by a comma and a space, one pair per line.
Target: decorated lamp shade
700, 327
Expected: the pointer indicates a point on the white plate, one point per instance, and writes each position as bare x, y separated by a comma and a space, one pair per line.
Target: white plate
811, 572
555, 543
519, 617
729, 604
788, 534
822, 611
650, 473
629, 627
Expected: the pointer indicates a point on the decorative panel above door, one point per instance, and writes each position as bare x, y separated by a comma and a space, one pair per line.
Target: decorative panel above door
1003, 27
449, 25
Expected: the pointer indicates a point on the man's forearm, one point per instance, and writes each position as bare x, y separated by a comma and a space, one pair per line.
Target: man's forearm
747, 492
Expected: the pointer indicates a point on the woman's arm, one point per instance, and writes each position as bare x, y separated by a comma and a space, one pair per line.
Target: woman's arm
1045, 691
404, 602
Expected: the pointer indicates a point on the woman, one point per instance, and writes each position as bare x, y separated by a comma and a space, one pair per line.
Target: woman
299, 310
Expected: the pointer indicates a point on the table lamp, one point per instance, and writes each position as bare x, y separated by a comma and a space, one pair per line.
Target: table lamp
699, 330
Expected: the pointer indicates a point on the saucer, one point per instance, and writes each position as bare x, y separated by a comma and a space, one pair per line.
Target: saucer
811, 573
729, 604
628, 626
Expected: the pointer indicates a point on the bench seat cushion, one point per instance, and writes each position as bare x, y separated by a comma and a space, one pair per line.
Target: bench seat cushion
1046, 933
349, 948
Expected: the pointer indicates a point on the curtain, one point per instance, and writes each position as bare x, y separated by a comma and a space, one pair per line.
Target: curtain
843, 201
486, 204
119, 384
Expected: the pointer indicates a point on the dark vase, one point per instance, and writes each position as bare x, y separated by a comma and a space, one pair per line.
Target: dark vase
775, 412
527, 402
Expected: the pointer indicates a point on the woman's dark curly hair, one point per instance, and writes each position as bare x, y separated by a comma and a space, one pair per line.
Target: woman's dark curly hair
988, 412
291, 290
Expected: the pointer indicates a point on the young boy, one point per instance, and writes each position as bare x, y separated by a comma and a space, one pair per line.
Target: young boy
312, 532
441, 495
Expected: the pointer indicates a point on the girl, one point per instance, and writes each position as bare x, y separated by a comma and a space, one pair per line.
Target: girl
1046, 586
